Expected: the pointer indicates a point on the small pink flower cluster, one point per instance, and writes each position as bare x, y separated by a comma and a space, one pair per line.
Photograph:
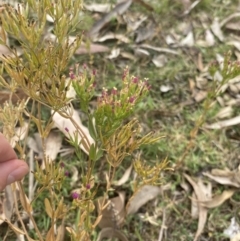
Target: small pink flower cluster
75, 195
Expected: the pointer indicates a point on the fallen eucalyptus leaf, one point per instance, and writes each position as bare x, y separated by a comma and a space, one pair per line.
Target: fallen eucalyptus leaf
113, 215
203, 193
218, 199
225, 123
188, 41
20, 134
117, 10
160, 60
124, 177
161, 50
7, 205
111, 233
143, 195
53, 144
66, 126
110, 36
92, 49
114, 53
192, 6
98, 7
225, 177
216, 28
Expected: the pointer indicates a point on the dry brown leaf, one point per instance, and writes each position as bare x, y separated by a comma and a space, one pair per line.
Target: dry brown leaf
170, 40
186, 4
161, 50
20, 134
127, 55
160, 60
124, 177
188, 41
233, 26
234, 43
225, 177
165, 88
201, 82
191, 7
203, 193
50, 234
200, 95
35, 144
15, 229
53, 144
98, 7
218, 199
229, 18
61, 232
66, 126
111, 233
216, 29
141, 52
225, 123
114, 53
224, 112
93, 48
209, 38
200, 65
74, 176
114, 214
141, 197
145, 33
194, 206
24, 199
7, 205
134, 20
5, 50
15, 97
119, 9
110, 36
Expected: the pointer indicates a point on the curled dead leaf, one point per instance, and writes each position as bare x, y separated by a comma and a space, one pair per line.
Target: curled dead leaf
111, 233
225, 177
117, 10
67, 127
218, 199
125, 177
114, 213
225, 123
203, 193
7, 205
141, 197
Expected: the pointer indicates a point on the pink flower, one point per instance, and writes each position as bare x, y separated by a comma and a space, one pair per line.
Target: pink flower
75, 195
66, 129
114, 91
88, 186
66, 173
71, 75
135, 80
131, 99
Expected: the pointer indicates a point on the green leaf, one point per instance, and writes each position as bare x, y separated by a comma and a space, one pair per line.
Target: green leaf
92, 129
92, 152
